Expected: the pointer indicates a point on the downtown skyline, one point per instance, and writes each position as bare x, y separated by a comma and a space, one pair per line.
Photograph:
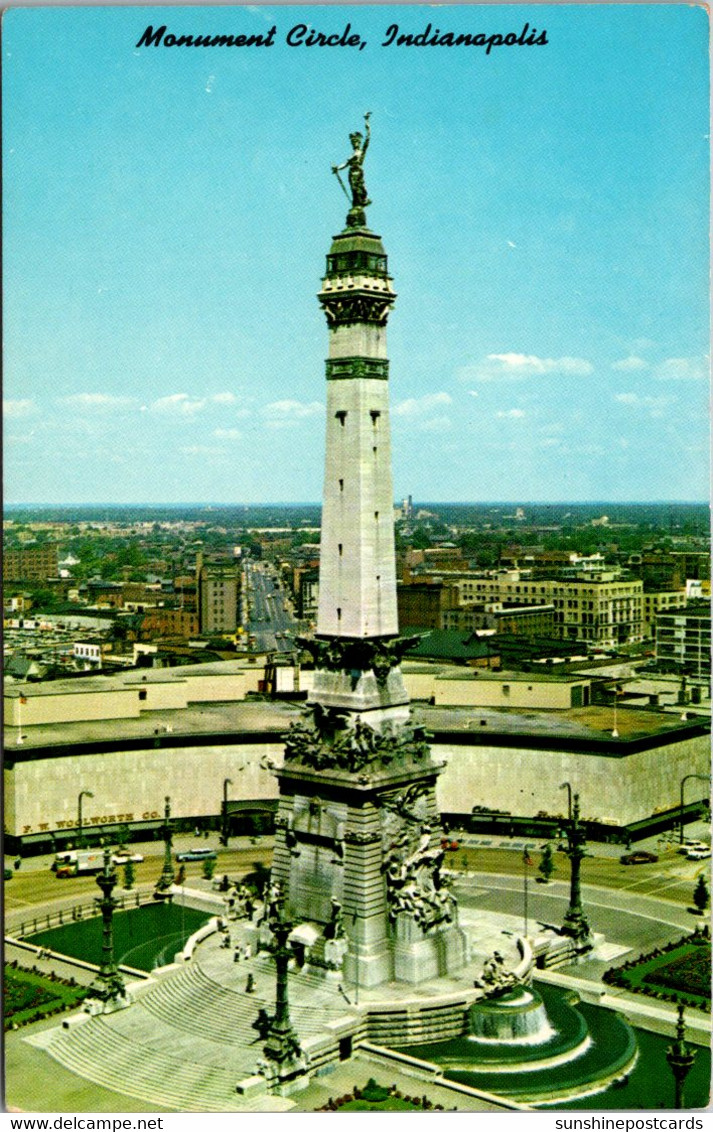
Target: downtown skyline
167, 213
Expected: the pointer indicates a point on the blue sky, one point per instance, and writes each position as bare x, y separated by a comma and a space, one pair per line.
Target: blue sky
167, 213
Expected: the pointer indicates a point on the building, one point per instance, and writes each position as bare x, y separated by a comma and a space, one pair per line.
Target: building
517, 620
657, 601
30, 564
601, 611
218, 597
426, 604
683, 639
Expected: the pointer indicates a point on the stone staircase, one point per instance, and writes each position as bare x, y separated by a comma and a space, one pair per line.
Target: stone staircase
98, 1052
188, 1039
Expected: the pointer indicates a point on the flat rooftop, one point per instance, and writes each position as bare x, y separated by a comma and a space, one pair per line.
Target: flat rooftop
272, 718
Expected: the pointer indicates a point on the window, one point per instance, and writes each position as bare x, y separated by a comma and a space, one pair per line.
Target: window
374, 414
341, 485
340, 548
341, 416
142, 694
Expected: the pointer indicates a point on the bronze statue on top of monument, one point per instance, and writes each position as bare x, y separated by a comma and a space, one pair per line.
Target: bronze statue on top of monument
356, 217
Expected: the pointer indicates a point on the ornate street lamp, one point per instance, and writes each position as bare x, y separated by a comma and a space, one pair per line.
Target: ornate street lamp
165, 881
224, 832
575, 922
282, 1048
680, 1058
80, 833
108, 987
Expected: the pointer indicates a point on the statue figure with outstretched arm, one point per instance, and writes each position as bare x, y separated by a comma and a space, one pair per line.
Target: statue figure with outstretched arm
354, 163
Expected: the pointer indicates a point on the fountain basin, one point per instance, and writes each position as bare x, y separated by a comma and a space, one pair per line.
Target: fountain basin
514, 1017
588, 1056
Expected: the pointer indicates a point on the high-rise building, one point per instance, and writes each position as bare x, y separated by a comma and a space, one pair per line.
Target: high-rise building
218, 602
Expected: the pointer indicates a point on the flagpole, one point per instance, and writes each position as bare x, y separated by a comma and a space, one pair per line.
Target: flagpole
19, 719
525, 863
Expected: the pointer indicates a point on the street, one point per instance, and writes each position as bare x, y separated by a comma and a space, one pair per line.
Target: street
268, 611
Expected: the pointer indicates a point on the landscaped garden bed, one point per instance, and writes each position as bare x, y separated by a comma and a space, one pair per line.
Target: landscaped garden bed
29, 996
680, 971
379, 1098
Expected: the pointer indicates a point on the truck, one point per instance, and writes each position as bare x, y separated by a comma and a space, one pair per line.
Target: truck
78, 862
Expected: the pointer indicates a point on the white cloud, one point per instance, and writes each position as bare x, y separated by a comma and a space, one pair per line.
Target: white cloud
682, 369
104, 402
227, 433
654, 406
416, 407
285, 414
435, 424
291, 410
21, 408
518, 367
200, 450
178, 403
511, 414
224, 398
627, 365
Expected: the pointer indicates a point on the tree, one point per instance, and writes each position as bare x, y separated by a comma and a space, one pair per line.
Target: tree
129, 874
546, 866
701, 895
209, 868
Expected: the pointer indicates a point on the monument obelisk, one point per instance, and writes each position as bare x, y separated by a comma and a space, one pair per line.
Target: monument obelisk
358, 854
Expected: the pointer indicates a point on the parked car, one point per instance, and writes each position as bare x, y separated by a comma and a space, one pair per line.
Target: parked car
691, 843
196, 855
698, 853
641, 857
123, 855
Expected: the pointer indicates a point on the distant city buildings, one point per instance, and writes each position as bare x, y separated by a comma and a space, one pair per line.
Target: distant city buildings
683, 639
30, 564
218, 597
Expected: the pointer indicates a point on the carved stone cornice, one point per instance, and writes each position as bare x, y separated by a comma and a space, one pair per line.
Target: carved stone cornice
361, 837
345, 308
343, 654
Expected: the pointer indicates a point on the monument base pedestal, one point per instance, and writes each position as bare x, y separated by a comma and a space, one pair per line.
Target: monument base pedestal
420, 955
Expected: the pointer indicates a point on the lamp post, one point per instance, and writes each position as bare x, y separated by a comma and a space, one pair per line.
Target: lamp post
224, 834
684, 780
165, 881
575, 922
108, 987
282, 1047
80, 834
680, 1058
566, 786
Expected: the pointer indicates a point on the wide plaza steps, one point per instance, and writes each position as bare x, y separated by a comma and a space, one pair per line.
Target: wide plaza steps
98, 1052
187, 1040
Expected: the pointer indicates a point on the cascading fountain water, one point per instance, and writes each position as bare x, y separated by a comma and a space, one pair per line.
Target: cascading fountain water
517, 1033
516, 1017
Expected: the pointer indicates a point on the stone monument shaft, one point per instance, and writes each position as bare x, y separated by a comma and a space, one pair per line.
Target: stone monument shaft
357, 594
357, 847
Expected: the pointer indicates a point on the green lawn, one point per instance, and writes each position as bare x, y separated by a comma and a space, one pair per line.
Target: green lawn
27, 996
144, 938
